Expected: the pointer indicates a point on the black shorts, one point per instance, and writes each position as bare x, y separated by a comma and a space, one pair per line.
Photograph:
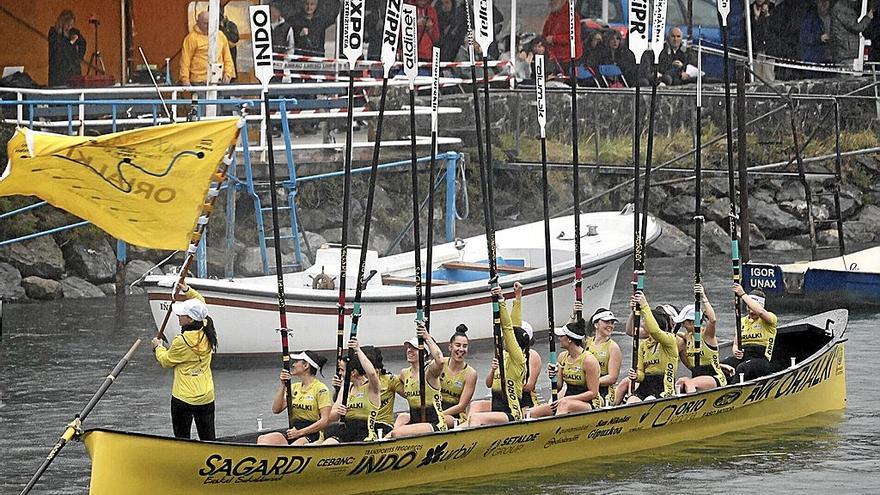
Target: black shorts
754, 364
706, 371
348, 430
415, 416
651, 385
312, 437
499, 404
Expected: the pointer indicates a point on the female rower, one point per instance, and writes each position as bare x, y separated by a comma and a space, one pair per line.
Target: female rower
666, 313
580, 374
309, 399
658, 355
606, 351
190, 353
389, 387
708, 375
751, 358
357, 418
458, 379
505, 400
412, 423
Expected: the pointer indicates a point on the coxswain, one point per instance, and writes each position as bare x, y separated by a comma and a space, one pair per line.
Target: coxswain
708, 375
458, 379
580, 374
190, 355
752, 357
411, 423
355, 421
658, 354
309, 400
505, 402
607, 352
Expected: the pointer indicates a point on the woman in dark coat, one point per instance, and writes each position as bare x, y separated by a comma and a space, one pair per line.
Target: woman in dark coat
66, 49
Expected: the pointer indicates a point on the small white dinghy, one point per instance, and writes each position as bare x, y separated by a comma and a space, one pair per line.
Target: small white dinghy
245, 310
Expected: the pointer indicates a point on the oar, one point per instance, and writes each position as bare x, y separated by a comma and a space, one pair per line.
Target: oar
724, 11
698, 209
352, 48
575, 166
541, 107
484, 34
73, 427
390, 37
638, 43
259, 17
411, 70
429, 254
201, 225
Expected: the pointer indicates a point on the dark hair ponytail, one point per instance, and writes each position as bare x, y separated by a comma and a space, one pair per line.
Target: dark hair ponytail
319, 360
374, 354
211, 333
460, 331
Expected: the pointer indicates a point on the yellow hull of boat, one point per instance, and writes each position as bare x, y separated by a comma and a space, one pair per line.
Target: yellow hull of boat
145, 464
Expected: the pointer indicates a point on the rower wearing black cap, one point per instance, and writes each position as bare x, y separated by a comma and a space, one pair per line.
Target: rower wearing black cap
310, 402
751, 358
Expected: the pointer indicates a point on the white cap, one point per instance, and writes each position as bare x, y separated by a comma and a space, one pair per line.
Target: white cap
413, 342
687, 313
302, 356
193, 308
565, 331
604, 316
758, 299
527, 328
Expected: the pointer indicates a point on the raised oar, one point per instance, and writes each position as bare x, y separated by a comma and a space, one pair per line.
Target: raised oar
261, 33
658, 27
411, 70
352, 48
638, 43
541, 107
698, 209
73, 428
429, 251
390, 37
724, 11
484, 35
575, 166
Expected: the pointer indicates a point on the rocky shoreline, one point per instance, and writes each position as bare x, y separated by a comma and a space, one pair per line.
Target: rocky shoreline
62, 265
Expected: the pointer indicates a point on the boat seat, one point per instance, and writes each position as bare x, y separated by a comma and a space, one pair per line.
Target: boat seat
484, 267
391, 280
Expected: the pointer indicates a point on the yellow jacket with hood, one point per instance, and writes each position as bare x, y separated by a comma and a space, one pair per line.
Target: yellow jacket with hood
190, 355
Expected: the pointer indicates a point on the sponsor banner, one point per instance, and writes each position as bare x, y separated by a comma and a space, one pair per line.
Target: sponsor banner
391, 34
410, 46
261, 37
768, 278
484, 31
638, 28
352, 30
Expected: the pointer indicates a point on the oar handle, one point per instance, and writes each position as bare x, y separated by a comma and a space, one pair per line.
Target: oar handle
72, 429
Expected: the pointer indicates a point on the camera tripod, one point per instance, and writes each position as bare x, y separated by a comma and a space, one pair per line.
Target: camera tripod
95, 61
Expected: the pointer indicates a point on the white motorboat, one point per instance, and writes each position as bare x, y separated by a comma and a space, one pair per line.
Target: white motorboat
245, 310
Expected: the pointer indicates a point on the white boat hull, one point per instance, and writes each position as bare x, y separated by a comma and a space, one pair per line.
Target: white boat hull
245, 311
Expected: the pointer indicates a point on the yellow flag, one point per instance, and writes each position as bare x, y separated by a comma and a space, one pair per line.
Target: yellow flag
144, 186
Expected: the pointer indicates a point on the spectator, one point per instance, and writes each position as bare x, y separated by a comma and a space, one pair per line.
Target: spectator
593, 50
453, 27
230, 29
282, 34
784, 41
845, 28
616, 53
814, 36
310, 23
674, 60
525, 63
428, 28
66, 49
872, 32
194, 54
762, 30
556, 34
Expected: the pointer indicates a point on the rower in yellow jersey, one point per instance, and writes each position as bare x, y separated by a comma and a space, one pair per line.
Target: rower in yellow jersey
458, 379
310, 402
752, 356
411, 424
358, 415
580, 374
389, 387
708, 375
658, 354
606, 351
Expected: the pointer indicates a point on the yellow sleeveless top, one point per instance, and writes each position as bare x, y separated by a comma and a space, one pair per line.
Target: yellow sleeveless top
433, 397
362, 409
389, 384
759, 332
708, 357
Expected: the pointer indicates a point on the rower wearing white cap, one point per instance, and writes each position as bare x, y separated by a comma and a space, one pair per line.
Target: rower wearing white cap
309, 399
606, 351
580, 374
752, 356
411, 424
708, 375
190, 353
658, 354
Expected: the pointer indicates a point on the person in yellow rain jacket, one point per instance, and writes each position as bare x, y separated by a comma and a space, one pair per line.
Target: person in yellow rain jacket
192, 395
194, 63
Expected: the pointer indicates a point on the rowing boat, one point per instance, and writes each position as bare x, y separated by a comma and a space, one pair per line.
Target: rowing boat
245, 310
852, 281
811, 378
